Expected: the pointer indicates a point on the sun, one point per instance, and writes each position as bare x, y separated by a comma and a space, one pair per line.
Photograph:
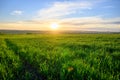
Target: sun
54, 26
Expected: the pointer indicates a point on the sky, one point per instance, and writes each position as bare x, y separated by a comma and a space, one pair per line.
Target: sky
76, 15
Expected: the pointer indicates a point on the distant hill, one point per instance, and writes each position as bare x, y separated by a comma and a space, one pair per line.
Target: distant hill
42, 32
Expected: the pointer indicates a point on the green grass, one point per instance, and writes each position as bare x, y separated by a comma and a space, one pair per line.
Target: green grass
60, 57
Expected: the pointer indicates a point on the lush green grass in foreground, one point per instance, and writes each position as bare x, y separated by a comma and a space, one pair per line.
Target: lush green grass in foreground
60, 57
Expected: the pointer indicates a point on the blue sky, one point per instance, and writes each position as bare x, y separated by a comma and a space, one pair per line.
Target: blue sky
103, 15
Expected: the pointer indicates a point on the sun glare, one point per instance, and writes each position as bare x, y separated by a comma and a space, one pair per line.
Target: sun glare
54, 26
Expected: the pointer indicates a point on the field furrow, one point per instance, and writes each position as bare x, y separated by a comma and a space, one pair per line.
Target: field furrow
26, 66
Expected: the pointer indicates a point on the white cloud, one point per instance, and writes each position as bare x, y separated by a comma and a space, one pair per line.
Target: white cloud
17, 12
62, 9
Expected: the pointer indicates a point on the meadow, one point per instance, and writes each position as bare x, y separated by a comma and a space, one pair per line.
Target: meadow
60, 56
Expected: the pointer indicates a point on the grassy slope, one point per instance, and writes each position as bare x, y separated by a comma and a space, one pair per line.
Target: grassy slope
60, 56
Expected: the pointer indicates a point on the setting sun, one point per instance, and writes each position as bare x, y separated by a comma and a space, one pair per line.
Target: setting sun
54, 26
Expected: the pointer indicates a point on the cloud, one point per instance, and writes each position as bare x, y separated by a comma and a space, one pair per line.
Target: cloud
58, 10
17, 12
22, 25
91, 20
108, 7
94, 23
62, 9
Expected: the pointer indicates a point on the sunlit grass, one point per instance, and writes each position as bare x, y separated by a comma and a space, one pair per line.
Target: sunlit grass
60, 57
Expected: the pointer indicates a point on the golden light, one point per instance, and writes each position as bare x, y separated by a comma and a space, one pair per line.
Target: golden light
54, 26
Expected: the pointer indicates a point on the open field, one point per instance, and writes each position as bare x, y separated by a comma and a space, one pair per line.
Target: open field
60, 57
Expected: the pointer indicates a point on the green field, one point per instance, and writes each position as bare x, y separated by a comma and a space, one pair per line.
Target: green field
60, 57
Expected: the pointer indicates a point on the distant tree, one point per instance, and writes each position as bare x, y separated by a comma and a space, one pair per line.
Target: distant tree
1, 33
29, 33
